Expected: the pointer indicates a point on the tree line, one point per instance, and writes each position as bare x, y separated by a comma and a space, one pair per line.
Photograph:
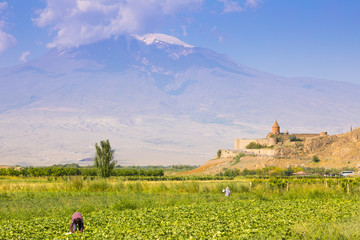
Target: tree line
282, 172
71, 171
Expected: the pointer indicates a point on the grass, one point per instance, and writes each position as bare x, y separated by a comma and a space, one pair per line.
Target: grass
115, 208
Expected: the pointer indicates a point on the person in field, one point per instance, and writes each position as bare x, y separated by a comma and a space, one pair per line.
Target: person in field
77, 222
227, 192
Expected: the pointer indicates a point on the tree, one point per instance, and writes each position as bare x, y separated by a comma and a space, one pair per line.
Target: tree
219, 153
104, 158
289, 171
316, 158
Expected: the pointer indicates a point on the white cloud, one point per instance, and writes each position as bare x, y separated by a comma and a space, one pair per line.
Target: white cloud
221, 39
3, 5
231, 6
6, 40
253, 3
234, 6
23, 57
77, 22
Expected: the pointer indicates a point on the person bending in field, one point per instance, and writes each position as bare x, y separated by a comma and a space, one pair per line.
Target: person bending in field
77, 223
227, 192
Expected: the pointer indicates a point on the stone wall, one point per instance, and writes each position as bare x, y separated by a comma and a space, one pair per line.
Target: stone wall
228, 154
240, 144
261, 152
305, 135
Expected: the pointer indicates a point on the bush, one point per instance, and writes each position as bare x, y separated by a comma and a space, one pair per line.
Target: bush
237, 158
247, 172
77, 183
279, 139
316, 159
254, 145
293, 138
99, 185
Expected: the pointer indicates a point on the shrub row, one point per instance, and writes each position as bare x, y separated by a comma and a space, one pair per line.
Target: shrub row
61, 171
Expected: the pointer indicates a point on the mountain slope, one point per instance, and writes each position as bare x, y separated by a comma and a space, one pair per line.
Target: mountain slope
159, 101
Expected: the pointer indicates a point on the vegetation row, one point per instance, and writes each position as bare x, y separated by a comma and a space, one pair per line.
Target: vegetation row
61, 171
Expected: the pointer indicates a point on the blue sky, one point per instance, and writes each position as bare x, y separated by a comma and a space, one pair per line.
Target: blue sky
292, 38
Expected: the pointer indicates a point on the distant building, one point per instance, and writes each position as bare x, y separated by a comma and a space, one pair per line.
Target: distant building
271, 139
276, 128
301, 173
276, 133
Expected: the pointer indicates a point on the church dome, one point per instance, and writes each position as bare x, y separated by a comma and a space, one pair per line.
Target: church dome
276, 128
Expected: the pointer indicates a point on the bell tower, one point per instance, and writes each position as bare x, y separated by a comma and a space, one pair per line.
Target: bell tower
276, 128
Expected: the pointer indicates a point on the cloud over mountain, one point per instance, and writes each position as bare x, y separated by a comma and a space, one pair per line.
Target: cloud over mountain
78, 22
81, 22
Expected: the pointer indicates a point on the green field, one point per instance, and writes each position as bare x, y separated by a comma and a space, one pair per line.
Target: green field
41, 208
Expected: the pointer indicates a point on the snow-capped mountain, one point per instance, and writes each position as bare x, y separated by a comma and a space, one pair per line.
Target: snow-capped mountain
158, 100
161, 38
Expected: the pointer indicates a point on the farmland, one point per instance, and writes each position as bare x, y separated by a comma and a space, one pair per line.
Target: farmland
41, 208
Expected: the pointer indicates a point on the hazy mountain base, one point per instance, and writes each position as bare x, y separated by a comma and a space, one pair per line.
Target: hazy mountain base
335, 151
157, 103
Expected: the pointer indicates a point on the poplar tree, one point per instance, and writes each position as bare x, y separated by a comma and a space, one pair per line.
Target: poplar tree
104, 158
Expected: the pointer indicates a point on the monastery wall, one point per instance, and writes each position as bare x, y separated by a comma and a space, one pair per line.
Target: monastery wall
305, 135
262, 151
240, 144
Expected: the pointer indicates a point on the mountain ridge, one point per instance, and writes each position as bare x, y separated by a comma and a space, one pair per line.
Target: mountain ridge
173, 104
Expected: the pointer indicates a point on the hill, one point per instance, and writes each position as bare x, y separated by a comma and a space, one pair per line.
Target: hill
334, 151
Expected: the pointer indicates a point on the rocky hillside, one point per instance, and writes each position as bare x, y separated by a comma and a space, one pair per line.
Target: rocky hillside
334, 151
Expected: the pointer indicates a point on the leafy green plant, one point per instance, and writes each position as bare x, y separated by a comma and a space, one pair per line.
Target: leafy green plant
254, 145
264, 210
315, 159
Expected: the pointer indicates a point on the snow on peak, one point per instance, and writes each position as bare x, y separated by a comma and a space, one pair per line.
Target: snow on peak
151, 38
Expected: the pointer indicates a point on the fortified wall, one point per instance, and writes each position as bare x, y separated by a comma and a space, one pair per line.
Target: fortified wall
261, 151
271, 139
242, 143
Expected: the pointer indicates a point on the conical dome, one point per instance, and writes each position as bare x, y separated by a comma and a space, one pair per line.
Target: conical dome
276, 128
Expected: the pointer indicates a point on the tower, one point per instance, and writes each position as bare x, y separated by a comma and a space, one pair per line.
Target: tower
276, 128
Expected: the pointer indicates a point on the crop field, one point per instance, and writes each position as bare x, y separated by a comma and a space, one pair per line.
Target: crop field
39, 208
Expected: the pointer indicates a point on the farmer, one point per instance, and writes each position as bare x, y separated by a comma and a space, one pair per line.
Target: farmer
76, 221
227, 192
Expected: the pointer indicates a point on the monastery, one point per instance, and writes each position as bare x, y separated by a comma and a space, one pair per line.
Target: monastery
272, 139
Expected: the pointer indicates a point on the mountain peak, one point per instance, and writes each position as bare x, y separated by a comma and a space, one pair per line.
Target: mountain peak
152, 38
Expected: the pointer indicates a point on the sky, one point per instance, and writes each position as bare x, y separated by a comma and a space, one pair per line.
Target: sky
290, 38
